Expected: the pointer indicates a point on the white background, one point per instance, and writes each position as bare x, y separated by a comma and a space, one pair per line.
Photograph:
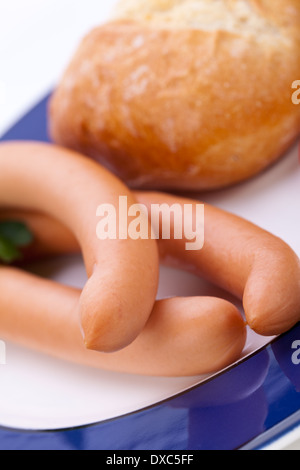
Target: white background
37, 40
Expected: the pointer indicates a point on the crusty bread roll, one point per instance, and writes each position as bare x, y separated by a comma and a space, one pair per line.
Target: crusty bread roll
184, 94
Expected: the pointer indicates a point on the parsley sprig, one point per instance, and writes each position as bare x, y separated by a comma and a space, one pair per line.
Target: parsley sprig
14, 236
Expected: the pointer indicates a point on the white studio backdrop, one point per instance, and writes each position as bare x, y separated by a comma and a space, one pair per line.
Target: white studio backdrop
37, 39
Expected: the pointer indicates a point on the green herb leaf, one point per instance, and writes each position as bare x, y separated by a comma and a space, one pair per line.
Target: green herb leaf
16, 233
13, 235
8, 251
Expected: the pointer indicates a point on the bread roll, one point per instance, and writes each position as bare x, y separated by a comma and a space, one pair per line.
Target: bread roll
184, 94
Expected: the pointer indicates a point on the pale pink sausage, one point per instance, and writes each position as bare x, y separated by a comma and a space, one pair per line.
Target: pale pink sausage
123, 274
183, 336
238, 256
243, 259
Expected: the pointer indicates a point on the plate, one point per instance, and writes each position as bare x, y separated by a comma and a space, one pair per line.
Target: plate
39, 393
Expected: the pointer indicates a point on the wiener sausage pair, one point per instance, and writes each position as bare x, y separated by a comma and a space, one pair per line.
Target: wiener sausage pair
56, 192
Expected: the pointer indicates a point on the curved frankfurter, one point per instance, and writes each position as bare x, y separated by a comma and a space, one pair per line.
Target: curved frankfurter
238, 256
183, 337
69, 188
243, 259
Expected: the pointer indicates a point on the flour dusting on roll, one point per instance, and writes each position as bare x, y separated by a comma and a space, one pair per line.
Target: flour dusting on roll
184, 94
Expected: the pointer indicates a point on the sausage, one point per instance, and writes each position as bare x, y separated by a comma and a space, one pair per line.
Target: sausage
68, 187
250, 263
247, 261
183, 336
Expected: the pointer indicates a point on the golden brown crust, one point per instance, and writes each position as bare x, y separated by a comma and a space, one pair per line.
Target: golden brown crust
182, 109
